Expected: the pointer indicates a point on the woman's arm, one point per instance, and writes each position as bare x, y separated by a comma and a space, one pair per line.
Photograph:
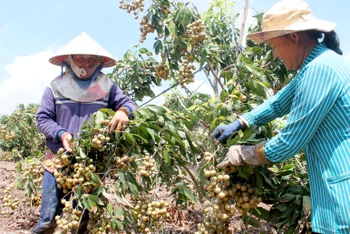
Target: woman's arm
46, 116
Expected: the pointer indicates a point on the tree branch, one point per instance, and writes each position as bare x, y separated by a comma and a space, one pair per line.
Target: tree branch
216, 76
245, 14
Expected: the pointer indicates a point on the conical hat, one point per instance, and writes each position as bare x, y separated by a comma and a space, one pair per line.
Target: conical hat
83, 44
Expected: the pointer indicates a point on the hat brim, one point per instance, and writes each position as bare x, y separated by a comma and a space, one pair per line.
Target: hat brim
83, 44
58, 59
312, 24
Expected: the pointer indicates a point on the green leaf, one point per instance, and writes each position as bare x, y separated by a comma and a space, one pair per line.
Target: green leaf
165, 154
99, 118
20, 185
141, 138
81, 153
247, 133
158, 46
79, 192
94, 178
253, 70
157, 109
118, 212
281, 207
129, 138
249, 220
108, 111
261, 213
89, 202
133, 189
286, 197
189, 195
96, 199
292, 229
109, 209
245, 171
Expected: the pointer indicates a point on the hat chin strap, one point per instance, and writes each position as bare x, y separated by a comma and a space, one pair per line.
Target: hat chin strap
79, 72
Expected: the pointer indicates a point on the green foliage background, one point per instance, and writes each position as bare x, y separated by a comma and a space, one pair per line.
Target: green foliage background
177, 134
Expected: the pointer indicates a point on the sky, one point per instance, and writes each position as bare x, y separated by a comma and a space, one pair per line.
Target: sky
33, 31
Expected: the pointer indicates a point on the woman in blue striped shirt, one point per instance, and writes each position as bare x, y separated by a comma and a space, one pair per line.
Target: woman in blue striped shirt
318, 103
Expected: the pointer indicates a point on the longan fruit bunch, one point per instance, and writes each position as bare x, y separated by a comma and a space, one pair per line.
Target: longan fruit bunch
227, 197
101, 137
32, 171
162, 70
134, 6
186, 72
221, 194
196, 32
98, 223
74, 176
5, 135
10, 201
148, 167
246, 197
150, 214
123, 161
213, 226
69, 219
145, 28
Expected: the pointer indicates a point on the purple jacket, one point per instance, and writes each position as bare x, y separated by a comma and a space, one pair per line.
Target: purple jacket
59, 113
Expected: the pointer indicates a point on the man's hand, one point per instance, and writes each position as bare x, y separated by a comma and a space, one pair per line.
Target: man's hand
66, 137
119, 121
221, 133
239, 155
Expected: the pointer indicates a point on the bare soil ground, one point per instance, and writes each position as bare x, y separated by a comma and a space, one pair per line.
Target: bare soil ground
24, 219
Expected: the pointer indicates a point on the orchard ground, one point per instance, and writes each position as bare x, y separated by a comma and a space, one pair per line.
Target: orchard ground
24, 219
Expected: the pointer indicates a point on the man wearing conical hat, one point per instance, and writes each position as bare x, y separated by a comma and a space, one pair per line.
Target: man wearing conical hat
69, 100
317, 102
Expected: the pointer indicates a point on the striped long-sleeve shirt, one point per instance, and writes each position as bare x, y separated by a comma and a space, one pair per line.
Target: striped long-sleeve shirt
318, 103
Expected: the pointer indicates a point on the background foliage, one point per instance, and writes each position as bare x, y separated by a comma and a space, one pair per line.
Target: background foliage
169, 146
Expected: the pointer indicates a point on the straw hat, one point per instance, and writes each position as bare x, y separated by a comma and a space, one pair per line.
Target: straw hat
288, 16
83, 44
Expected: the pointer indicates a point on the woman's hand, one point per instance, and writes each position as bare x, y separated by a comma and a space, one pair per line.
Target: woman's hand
67, 145
119, 121
221, 133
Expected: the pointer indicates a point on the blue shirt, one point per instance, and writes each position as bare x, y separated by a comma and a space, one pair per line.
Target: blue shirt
318, 103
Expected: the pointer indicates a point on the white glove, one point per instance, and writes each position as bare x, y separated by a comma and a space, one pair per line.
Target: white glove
239, 155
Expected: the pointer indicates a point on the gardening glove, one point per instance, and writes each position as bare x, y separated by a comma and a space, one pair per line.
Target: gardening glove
221, 133
120, 120
239, 155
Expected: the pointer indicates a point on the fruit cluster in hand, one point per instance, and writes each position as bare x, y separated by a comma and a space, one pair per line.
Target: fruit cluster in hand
74, 176
227, 194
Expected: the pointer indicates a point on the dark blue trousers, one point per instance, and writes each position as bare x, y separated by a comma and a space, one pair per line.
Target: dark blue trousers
50, 203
